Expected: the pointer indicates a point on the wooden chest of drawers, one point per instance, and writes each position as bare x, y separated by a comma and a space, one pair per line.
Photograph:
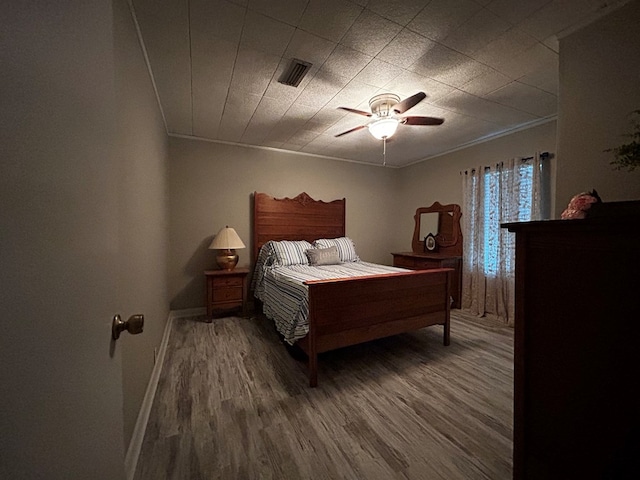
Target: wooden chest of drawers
428, 261
226, 291
576, 346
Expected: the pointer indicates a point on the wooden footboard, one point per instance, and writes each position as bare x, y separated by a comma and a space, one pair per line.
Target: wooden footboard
349, 311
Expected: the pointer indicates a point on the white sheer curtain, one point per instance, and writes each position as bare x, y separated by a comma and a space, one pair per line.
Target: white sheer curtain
508, 192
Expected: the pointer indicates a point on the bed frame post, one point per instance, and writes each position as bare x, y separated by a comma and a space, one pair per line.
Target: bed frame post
313, 350
447, 323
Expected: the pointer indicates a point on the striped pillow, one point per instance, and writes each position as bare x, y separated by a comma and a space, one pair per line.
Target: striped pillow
291, 252
346, 248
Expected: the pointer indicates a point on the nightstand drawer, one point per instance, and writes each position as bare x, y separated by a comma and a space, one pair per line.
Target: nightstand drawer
228, 282
227, 294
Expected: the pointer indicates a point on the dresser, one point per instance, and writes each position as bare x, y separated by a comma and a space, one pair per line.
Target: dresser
577, 338
226, 291
428, 261
442, 222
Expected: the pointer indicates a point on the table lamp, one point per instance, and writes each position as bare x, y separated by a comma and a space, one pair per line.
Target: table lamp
226, 241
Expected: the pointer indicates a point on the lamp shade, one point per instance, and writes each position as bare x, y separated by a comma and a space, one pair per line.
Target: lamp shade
383, 128
226, 239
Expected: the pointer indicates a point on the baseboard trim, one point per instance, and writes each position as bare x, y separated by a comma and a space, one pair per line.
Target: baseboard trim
135, 445
188, 312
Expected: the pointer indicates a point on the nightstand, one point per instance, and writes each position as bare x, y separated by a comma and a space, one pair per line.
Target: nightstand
226, 291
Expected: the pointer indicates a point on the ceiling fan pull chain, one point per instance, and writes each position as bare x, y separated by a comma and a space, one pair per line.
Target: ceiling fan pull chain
384, 151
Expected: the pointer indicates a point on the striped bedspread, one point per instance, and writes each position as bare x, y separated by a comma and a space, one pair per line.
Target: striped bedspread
285, 297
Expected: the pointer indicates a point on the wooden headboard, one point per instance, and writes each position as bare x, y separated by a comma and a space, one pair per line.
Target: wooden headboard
299, 218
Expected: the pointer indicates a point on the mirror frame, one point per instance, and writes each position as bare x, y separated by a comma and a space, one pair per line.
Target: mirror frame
448, 247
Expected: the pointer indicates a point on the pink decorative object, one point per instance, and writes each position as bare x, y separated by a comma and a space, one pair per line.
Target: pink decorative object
579, 205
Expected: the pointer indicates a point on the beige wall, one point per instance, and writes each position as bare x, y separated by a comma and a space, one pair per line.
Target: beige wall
438, 179
142, 213
599, 87
211, 186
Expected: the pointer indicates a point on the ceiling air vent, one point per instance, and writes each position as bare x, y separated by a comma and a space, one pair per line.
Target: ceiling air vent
295, 73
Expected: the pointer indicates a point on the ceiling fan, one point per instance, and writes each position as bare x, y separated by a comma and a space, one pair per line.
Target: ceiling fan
386, 115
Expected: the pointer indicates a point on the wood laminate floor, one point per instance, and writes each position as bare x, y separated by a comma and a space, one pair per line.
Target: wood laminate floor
233, 404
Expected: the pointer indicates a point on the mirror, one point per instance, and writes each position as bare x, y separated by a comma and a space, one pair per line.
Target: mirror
444, 222
428, 224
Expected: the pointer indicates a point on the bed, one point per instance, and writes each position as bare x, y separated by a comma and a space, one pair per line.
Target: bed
341, 311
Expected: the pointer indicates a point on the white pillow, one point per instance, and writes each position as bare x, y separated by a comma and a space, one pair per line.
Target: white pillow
291, 252
345, 246
323, 256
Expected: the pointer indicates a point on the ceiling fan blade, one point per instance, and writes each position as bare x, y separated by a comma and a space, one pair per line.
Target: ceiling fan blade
409, 102
422, 121
353, 110
352, 130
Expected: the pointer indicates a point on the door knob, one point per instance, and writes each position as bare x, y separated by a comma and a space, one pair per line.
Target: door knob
133, 325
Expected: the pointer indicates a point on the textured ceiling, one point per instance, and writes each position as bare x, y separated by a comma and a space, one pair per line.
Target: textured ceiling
487, 67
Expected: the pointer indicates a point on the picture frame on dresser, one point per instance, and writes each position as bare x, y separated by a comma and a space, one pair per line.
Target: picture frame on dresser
430, 244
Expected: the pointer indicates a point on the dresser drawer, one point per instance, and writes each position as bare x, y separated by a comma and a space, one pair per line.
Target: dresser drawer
416, 263
403, 262
227, 294
425, 264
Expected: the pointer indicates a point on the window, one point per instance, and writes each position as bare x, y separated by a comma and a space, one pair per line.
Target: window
494, 215
515, 190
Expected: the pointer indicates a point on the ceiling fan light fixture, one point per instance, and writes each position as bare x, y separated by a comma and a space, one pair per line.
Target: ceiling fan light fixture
386, 114
383, 128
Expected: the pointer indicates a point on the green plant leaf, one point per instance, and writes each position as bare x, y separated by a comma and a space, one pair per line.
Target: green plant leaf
627, 155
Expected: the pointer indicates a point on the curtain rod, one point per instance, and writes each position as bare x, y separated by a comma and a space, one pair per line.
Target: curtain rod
543, 156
